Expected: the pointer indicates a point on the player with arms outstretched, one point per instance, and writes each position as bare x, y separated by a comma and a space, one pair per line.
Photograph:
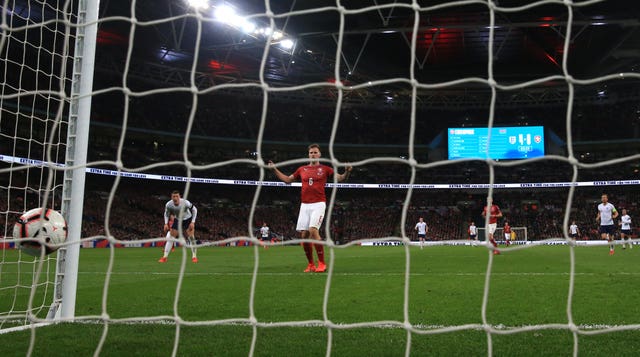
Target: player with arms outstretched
421, 228
625, 229
494, 212
606, 214
174, 207
313, 204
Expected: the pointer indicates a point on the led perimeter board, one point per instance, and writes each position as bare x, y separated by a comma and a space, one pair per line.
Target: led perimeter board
507, 143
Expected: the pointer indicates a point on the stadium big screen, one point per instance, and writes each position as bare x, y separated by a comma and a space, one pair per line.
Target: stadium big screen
507, 143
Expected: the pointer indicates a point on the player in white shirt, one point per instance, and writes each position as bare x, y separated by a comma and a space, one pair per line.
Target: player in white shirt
625, 229
180, 208
264, 234
606, 214
574, 231
473, 233
422, 229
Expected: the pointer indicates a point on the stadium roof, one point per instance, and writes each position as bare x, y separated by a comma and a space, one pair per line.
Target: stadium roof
452, 42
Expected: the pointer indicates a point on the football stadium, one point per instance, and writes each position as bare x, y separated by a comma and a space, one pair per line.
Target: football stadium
321, 178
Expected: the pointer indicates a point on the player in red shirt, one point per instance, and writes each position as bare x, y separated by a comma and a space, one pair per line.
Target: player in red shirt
313, 202
494, 214
507, 233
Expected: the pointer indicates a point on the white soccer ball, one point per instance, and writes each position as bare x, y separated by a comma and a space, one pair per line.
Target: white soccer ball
35, 231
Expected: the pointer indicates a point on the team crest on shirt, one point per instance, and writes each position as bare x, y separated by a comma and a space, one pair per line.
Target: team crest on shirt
320, 171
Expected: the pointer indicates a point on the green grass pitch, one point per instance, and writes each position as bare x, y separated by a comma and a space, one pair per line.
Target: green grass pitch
446, 286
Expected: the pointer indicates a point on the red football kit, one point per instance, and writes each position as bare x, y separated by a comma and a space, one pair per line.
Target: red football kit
507, 228
313, 178
495, 210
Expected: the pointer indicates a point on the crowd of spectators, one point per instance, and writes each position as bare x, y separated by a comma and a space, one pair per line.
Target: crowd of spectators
230, 114
227, 126
136, 211
356, 214
224, 126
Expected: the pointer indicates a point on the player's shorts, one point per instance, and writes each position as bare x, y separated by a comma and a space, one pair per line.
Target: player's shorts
492, 227
507, 236
608, 229
473, 236
625, 231
264, 238
573, 235
310, 216
185, 224
423, 236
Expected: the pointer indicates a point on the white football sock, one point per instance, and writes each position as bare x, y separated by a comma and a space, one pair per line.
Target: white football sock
194, 249
168, 245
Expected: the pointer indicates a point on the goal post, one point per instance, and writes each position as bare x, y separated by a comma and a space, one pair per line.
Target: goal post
76, 156
517, 234
46, 96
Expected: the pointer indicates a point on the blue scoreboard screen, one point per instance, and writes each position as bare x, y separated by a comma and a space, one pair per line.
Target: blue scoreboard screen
507, 143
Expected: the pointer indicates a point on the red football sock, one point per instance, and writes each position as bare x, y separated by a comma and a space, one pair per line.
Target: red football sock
308, 251
493, 241
320, 252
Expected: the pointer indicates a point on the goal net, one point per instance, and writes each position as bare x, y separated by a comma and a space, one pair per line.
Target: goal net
36, 52
439, 107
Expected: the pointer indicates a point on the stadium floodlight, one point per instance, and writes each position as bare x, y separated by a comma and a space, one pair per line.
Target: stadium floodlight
198, 4
287, 44
224, 13
247, 26
228, 15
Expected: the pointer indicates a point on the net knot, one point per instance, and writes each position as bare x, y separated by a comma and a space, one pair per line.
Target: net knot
573, 328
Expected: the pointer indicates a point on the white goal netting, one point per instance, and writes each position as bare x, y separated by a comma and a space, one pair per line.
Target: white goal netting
200, 97
35, 57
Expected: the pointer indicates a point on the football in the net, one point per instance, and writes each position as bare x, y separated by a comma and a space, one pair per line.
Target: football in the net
35, 231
